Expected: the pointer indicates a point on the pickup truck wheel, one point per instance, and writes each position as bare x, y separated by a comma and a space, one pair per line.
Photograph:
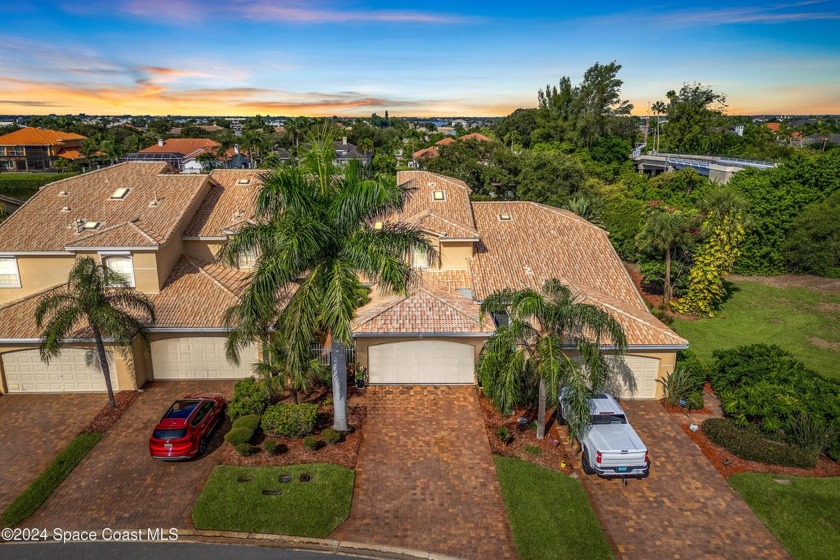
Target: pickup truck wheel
587, 468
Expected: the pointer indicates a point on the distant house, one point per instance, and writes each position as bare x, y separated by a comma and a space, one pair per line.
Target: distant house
774, 126
37, 149
211, 128
9, 204
433, 152
344, 152
184, 154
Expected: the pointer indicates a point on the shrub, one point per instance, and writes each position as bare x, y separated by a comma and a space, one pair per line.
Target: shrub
311, 443
694, 401
238, 436
504, 434
812, 434
249, 397
292, 420
533, 450
331, 436
681, 383
244, 449
251, 421
274, 447
749, 444
25, 185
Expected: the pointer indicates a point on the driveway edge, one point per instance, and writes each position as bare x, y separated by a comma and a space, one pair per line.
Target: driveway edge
305, 543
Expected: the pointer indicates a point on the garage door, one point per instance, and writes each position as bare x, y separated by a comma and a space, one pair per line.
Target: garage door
635, 377
68, 373
416, 362
198, 358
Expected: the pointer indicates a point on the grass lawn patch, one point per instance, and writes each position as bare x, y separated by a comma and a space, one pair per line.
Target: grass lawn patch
234, 500
31, 499
549, 513
800, 320
804, 514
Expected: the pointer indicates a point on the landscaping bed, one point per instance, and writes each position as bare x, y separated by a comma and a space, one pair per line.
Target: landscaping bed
260, 500
524, 443
550, 515
108, 416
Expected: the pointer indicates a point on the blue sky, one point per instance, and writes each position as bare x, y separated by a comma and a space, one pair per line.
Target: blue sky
324, 57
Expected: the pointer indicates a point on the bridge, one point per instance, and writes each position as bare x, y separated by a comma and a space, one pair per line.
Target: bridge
719, 169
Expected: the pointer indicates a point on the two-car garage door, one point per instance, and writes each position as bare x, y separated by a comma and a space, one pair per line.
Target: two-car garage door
199, 358
68, 373
430, 362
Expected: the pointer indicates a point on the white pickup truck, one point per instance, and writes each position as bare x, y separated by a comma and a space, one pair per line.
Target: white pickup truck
611, 447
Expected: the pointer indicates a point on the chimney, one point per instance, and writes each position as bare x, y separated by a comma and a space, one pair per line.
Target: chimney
236, 148
344, 140
160, 142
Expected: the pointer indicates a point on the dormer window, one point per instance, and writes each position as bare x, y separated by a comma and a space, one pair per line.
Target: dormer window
420, 258
119, 194
89, 225
505, 217
243, 182
120, 264
9, 274
438, 195
247, 260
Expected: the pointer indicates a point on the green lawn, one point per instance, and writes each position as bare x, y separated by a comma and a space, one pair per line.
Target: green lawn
305, 509
804, 515
802, 321
549, 513
31, 499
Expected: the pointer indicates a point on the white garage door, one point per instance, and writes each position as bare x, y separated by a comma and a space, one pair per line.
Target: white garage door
635, 377
199, 357
68, 373
431, 362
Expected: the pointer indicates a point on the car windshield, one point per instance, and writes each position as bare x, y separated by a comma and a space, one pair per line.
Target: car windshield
181, 409
601, 419
169, 434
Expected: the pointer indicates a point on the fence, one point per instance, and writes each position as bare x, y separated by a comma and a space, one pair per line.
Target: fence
324, 355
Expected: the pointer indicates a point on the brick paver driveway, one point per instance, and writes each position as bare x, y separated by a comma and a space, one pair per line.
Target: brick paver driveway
35, 430
685, 509
425, 478
119, 486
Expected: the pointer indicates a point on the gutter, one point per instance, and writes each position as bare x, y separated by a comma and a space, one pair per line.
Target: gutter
420, 335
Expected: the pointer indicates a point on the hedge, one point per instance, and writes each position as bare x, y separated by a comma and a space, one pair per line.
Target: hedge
238, 436
249, 397
25, 185
748, 443
293, 420
250, 421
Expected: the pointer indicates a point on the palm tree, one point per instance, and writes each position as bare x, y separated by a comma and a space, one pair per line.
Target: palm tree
659, 108
101, 300
315, 231
276, 370
208, 160
534, 349
664, 231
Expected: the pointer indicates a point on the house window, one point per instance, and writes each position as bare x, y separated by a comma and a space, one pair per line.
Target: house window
9, 275
248, 259
420, 258
122, 265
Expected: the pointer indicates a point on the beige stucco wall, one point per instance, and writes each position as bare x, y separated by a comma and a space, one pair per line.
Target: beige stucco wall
454, 254
204, 250
667, 362
146, 278
38, 273
364, 342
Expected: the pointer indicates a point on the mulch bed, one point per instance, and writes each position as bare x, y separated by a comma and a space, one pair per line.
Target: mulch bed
549, 456
676, 409
343, 453
728, 464
108, 416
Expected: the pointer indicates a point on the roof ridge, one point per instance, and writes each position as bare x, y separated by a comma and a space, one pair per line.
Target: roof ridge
399, 298
96, 233
191, 261
450, 222
145, 232
423, 288
663, 328
27, 297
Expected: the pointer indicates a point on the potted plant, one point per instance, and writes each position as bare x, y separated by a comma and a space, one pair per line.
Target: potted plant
361, 377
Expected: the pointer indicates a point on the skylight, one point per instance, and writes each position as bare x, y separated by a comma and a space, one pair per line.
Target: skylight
377, 225
90, 225
505, 217
119, 194
438, 195
243, 182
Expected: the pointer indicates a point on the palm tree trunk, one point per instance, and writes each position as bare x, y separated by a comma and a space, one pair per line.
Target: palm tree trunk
106, 369
667, 295
339, 384
541, 411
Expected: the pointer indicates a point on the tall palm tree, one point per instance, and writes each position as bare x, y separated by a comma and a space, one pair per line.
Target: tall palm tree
316, 229
101, 300
664, 231
659, 109
538, 346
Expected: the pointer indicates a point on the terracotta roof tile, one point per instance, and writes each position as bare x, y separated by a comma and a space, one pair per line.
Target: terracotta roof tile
31, 136
47, 222
475, 136
186, 146
451, 217
227, 204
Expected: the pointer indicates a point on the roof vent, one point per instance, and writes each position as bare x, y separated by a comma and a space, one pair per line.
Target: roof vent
505, 217
119, 194
438, 195
63, 193
65, 209
155, 201
243, 182
528, 270
431, 184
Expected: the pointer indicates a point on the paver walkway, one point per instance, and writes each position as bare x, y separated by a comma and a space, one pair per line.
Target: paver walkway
684, 509
118, 485
35, 428
425, 478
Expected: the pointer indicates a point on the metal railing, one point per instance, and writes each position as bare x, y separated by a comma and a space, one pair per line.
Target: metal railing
323, 354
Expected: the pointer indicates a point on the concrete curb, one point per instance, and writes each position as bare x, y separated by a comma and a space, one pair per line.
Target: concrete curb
331, 546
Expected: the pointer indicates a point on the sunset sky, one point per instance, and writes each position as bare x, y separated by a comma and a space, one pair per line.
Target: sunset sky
356, 57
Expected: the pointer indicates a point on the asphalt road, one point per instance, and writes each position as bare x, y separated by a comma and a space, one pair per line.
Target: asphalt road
149, 551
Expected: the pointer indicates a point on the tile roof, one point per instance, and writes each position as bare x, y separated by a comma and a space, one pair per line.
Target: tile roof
31, 136
475, 136
69, 153
431, 152
47, 221
540, 243
185, 146
17, 318
430, 308
451, 217
226, 204
445, 141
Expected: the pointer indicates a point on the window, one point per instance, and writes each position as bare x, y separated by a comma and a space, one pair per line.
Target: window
438, 195
122, 265
420, 259
202, 414
9, 276
248, 259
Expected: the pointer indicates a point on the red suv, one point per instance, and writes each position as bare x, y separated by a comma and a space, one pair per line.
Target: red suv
183, 431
